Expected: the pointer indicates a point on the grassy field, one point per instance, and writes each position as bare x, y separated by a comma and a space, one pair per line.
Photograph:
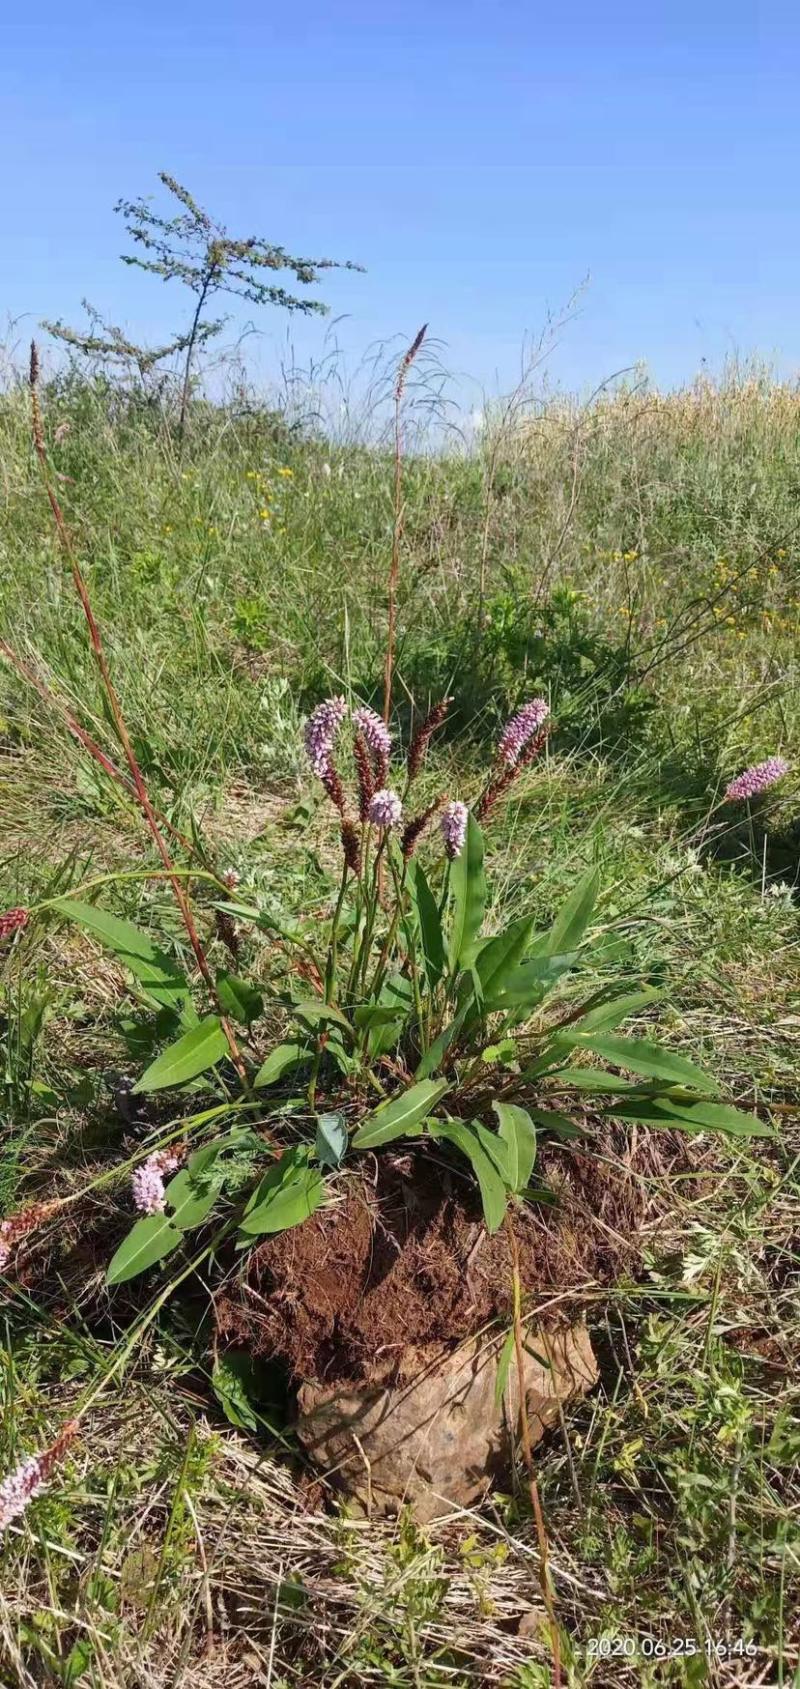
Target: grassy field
638, 561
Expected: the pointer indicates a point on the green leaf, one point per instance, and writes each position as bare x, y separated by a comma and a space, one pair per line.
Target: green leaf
518, 1133
503, 1053
557, 1123
497, 959
160, 976
285, 1197
152, 1237
468, 893
402, 1117
503, 1365
429, 922
239, 999
191, 1054
496, 1150
78, 1661
190, 1197
526, 985
612, 1012
315, 1011
492, 1188
331, 1139
436, 1051
279, 1061
229, 1380
573, 917
640, 1055
375, 1014
591, 1079
692, 1117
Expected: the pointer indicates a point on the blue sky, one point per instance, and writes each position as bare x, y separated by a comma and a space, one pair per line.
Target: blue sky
480, 159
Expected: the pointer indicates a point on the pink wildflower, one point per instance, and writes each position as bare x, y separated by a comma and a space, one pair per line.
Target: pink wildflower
31, 1476
18, 1226
454, 828
520, 729
386, 809
12, 921
147, 1183
375, 732
757, 779
321, 729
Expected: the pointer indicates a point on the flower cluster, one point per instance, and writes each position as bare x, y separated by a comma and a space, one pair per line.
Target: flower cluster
757, 779
31, 1476
147, 1183
386, 809
18, 1226
520, 729
453, 826
422, 738
12, 921
321, 729
376, 733
414, 829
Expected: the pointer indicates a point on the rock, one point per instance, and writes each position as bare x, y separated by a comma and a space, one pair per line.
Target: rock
429, 1431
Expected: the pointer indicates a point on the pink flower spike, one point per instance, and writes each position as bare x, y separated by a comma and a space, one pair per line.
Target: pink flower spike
386, 809
147, 1182
375, 732
321, 729
12, 921
30, 1477
453, 827
520, 729
757, 779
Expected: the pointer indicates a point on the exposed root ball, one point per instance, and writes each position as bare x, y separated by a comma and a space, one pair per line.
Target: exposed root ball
404, 1258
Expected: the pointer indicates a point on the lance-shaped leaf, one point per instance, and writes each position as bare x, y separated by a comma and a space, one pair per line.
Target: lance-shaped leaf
239, 998
468, 896
285, 1197
428, 921
316, 1013
641, 1055
519, 1136
191, 1054
497, 959
572, 919
594, 1080
464, 1137
526, 985
692, 1116
612, 1011
281, 1060
152, 1237
160, 977
402, 1117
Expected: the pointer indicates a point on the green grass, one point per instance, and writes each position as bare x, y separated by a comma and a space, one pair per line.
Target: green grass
640, 560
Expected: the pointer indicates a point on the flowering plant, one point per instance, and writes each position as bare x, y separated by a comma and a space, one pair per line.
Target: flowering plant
405, 1019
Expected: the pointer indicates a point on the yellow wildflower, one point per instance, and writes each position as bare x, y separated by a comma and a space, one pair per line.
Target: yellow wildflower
286, 473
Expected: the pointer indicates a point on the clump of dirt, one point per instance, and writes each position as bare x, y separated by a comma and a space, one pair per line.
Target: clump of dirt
404, 1257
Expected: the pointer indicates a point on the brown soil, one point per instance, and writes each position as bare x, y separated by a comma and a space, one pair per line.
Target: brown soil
404, 1257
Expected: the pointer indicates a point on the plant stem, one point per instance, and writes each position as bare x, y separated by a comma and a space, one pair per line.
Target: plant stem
126, 875
330, 971
120, 724
187, 368
397, 525
399, 886
85, 739
525, 1437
